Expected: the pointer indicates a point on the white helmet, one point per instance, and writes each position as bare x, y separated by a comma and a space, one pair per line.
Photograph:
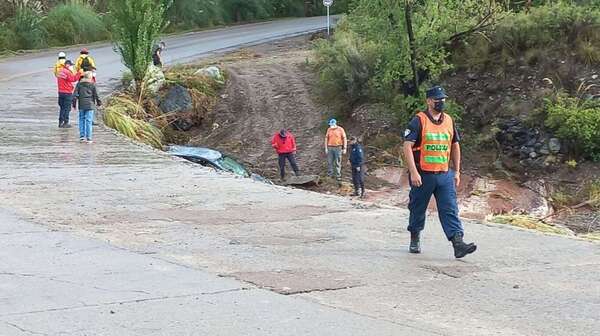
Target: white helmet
62, 55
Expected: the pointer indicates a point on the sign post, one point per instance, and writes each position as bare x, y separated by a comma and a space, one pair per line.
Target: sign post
328, 3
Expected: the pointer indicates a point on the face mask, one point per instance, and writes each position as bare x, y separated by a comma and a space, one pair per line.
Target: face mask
439, 106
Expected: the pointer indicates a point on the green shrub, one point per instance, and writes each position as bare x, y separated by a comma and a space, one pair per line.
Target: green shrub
593, 191
27, 28
578, 121
7, 38
345, 68
570, 27
74, 23
187, 14
137, 27
369, 57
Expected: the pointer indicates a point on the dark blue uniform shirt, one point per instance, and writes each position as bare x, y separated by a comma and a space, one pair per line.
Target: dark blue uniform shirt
357, 156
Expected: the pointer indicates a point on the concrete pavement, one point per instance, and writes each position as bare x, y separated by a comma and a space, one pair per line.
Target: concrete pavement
115, 238
53, 283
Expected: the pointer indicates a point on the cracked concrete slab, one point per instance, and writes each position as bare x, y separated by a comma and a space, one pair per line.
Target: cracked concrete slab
298, 281
55, 283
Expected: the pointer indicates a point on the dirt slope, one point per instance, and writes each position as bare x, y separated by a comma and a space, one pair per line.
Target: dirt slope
267, 90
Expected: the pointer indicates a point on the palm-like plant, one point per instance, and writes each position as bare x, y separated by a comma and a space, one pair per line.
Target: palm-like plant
137, 26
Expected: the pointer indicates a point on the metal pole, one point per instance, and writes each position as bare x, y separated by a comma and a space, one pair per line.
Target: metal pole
327, 21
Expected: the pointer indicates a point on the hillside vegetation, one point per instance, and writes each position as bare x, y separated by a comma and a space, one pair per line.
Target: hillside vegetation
34, 24
469, 46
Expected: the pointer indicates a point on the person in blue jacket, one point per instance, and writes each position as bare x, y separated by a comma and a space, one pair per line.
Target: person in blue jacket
357, 161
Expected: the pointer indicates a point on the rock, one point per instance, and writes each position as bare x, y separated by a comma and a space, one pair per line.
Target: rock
594, 76
155, 79
550, 160
211, 71
178, 104
544, 151
178, 99
538, 145
554, 145
472, 76
533, 155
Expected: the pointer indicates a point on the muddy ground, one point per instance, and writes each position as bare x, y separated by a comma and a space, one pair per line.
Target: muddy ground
268, 88
271, 86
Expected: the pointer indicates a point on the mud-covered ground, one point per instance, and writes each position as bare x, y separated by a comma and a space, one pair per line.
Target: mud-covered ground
271, 86
268, 88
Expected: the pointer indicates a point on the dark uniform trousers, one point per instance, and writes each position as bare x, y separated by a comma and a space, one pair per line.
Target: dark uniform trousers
442, 186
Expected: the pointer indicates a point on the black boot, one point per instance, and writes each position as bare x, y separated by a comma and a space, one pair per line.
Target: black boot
415, 243
461, 249
362, 192
355, 193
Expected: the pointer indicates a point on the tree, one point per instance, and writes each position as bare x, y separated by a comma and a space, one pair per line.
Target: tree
413, 35
137, 26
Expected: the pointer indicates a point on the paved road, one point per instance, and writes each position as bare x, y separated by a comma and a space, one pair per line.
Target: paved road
118, 239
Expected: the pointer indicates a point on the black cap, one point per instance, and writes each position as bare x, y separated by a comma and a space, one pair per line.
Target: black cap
282, 133
68, 62
436, 92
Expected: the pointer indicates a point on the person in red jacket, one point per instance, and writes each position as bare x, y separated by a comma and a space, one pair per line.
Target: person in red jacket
284, 144
66, 79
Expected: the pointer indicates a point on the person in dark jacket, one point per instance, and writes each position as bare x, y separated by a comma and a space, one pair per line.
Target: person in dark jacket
157, 54
86, 95
284, 144
357, 161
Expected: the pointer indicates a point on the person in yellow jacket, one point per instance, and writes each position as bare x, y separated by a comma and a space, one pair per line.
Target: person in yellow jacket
86, 63
60, 63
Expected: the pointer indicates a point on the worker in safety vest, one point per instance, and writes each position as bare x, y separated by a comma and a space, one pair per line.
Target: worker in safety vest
431, 142
86, 63
62, 58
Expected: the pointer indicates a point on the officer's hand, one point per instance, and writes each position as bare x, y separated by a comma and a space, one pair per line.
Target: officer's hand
415, 180
457, 179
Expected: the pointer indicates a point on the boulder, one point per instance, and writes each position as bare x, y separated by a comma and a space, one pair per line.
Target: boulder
211, 71
178, 104
554, 145
155, 79
177, 99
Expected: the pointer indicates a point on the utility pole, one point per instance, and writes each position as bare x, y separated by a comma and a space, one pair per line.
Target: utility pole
328, 3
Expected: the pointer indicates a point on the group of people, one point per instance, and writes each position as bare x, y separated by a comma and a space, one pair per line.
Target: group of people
336, 144
431, 143
77, 90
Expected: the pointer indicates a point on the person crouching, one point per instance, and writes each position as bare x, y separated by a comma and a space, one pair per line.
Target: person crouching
86, 95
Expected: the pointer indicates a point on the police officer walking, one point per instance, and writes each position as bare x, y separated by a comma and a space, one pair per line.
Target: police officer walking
431, 141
